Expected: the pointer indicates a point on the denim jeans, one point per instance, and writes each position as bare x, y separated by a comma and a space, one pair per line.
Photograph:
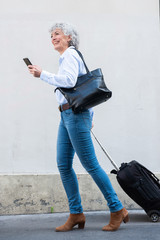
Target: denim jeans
74, 136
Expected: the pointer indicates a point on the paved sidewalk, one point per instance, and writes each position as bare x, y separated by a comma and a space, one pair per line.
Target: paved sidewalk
41, 227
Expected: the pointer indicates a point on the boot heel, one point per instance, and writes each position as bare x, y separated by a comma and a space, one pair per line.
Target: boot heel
81, 225
126, 219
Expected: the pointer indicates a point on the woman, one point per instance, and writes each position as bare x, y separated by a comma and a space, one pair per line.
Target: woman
74, 133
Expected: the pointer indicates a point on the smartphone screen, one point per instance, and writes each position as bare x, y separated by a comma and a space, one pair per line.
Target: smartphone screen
27, 61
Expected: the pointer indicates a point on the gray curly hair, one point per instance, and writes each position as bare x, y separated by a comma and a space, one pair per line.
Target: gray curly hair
68, 30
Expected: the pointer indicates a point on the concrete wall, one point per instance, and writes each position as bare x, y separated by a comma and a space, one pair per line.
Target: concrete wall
120, 36
25, 194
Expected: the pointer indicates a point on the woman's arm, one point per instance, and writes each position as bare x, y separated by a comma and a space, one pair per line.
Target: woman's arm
67, 74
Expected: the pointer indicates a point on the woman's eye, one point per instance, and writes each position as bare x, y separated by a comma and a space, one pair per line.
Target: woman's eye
55, 34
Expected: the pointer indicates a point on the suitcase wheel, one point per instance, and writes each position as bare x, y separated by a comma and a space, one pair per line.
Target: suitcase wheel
154, 216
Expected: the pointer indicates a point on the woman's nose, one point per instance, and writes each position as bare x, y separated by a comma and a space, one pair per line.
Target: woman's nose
53, 38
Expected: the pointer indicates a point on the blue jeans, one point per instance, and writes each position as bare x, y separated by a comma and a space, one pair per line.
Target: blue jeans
74, 136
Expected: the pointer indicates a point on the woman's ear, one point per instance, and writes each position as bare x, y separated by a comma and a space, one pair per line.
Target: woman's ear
69, 39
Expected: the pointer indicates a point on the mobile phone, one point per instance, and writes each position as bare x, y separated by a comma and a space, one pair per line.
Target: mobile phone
27, 61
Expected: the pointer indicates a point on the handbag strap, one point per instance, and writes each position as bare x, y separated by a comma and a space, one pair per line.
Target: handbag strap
81, 56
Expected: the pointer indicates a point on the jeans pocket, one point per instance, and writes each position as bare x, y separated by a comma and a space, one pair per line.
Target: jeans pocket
68, 112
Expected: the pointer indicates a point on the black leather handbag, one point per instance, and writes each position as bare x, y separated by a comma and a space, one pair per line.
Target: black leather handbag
89, 91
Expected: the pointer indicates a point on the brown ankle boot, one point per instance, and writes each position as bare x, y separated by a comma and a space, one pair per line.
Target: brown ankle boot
74, 219
116, 220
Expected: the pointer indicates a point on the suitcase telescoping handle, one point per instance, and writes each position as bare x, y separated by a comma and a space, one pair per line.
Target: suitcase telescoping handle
108, 156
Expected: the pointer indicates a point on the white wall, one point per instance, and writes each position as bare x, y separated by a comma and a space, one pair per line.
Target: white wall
120, 36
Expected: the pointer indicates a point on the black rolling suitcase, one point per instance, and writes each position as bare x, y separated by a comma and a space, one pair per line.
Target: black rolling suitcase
140, 184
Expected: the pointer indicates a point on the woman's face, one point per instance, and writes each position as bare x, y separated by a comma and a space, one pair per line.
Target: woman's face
59, 40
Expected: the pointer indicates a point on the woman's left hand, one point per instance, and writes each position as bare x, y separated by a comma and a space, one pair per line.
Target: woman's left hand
35, 70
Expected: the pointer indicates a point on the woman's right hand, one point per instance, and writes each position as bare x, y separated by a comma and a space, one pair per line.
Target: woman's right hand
35, 70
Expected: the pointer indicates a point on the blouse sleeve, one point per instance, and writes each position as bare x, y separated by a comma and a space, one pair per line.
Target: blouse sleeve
67, 74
